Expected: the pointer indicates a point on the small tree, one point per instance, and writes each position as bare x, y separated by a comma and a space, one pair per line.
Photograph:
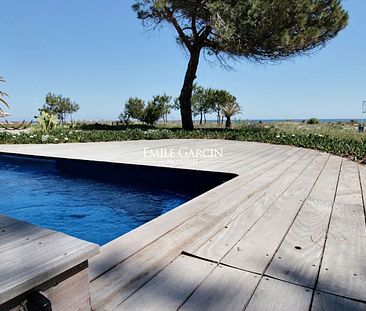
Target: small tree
164, 102
218, 99
2, 95
215, 99
59, 106
201, 102
134, 109
229, 109
153, 112
258, 30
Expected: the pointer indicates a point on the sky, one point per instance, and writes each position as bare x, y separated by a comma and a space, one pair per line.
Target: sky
98, 54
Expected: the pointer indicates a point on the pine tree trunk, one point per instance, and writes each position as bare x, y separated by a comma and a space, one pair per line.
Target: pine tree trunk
186, 92
201, 118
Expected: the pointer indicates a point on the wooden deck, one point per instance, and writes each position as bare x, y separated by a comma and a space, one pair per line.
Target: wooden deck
36, 258
288, 233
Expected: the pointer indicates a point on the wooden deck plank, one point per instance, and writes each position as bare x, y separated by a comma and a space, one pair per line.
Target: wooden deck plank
171, 287
131, 152
298, 258
218, 245
259, 185
241, 168
144, 255
19, 233
255, 250
23, 268
225, 289
362, 175
343, 270
217, 164
233, 163
122, 248
145, 264
6, 221
328, 302
176, 154
231, 159
275, 295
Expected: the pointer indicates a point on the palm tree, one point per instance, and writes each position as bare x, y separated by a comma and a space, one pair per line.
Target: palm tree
229, 109
2, 95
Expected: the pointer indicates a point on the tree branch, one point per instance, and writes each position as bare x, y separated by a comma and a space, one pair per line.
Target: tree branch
194, 28
174, 22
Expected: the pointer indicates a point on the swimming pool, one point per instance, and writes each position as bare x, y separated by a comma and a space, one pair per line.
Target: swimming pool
94, 201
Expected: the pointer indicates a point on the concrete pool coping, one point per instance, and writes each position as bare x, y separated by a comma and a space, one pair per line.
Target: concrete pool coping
136, 269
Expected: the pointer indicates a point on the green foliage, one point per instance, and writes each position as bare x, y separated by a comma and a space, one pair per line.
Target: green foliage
158, 107
164, 102
208, 100
59, 106
219, 99
258, 30
313, 121
153, 111
201, 102
229, 109
2, 95
134, 109
352, 146
176, 104
47, 122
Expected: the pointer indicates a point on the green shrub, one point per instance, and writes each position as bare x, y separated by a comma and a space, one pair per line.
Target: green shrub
347, 145
152, 112
47, 121
313, 121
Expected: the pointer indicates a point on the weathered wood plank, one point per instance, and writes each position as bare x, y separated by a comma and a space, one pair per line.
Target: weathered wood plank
275, 295
131, 152
22, 268
231, 159
189, 153
120, 249
6, 221
71, 294
269, 155
225, 289
19, 233
298, 258
260, 185
327, 302
146, 251
218, 245
171, 287
113, 287
343, 269
255, 250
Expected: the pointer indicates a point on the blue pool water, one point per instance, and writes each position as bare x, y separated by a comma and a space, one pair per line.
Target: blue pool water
92, 210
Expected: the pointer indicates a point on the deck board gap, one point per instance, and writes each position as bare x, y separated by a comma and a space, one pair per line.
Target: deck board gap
293, 221
362, 194
200, 211
326, 238
269, 207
